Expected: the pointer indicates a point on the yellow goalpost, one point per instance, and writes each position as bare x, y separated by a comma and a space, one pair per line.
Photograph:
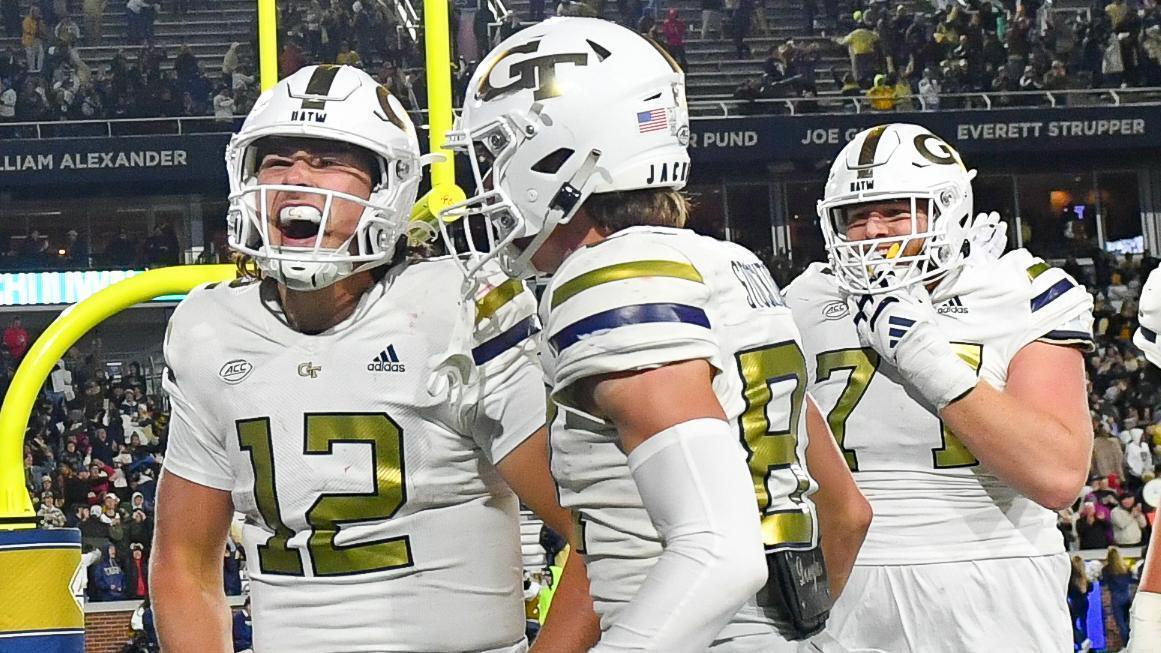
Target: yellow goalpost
40, 603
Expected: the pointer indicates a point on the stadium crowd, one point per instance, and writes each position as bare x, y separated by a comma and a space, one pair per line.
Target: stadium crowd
120, 249
974, 46
895, 53
92, 454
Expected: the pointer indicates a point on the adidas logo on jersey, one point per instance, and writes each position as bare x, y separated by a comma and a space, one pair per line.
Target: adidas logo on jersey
953, 305
386, 361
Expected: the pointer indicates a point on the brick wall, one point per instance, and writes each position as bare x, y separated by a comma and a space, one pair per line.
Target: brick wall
107, 624
107, 632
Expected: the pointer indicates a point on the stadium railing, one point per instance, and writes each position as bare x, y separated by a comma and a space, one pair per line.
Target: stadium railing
728, 106
706, 107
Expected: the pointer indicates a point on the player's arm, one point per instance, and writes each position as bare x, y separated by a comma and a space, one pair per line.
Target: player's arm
693, 481
1036, 434
194, 508
844, 514
572, 625
513, 406
1145, 625
185, 568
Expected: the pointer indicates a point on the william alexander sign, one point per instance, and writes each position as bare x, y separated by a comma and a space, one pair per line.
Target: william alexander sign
126, 159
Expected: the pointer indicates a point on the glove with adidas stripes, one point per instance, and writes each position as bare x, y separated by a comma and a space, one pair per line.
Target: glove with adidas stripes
901, 326
988, 236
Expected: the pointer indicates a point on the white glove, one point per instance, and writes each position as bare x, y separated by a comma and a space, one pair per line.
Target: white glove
1145, 623
1149, 317
988, 236
901, 326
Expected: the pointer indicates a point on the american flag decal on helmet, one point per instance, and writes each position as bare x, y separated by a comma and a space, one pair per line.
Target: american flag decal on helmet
651, 121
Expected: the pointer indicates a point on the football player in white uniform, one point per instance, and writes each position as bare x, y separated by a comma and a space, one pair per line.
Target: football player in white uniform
1145, 626
954, 383
671, 356
377, 517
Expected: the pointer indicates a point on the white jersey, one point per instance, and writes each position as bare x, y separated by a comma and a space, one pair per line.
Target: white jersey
643, 298
375, 519
932, 500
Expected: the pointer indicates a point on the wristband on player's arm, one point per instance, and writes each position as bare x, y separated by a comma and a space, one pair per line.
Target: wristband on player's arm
694, 483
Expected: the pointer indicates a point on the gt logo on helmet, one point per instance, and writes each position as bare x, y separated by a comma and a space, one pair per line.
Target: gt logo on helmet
943, 155
536, 73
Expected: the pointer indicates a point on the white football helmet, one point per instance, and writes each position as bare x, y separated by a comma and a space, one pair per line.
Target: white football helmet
338, 103
561, 110
897, 162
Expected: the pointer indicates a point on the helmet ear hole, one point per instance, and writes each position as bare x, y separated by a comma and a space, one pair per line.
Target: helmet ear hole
553, 162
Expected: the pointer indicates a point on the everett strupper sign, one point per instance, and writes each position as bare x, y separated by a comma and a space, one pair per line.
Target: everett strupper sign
126, 159
1094, 130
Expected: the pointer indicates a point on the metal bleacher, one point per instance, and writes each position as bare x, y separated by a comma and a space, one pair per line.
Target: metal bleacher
714, 70
208, 29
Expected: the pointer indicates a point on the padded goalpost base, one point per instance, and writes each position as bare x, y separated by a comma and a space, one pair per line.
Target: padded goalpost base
41, 601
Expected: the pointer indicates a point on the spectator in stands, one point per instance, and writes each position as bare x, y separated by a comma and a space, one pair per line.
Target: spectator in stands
290, 60
1092, 528
1139, 453
903, 96
139, 529
711, 17
16, 339
136, 573
32, 38
185, 64
224, 105
1056, 79
1108, 458
801, 66
881, 95
67, 32
49, 515
849, 86
1112, 63
243, 628
77, 247
347, 56
71, 457
122, 250
94, 11
674, 30
1078, 587
135, 17
231, 62
1118, 579
1151, 56
740, 21
862, 46
1128, 521
929, 89
1117, 11
108, 582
